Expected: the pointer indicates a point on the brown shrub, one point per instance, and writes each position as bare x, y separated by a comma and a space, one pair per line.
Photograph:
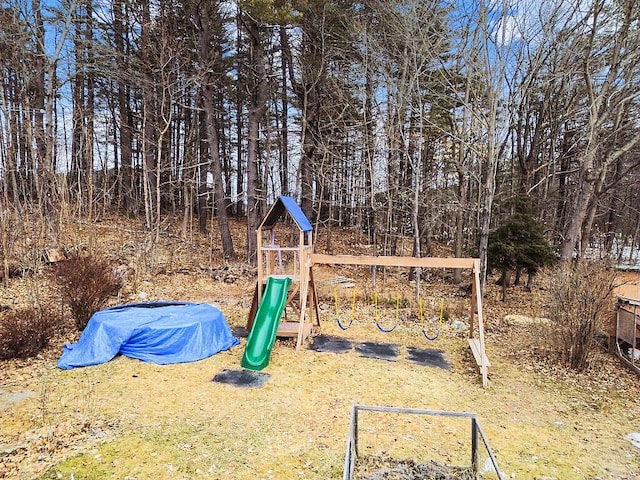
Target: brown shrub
579, 299
86, 283
26, 332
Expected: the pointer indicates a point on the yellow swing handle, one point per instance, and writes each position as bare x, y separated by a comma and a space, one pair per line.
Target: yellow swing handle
375, 305
397, 310
353, 304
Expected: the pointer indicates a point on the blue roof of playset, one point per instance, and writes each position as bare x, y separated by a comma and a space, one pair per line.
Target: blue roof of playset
289, 205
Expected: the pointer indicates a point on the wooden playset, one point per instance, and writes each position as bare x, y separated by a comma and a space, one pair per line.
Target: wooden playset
293, 256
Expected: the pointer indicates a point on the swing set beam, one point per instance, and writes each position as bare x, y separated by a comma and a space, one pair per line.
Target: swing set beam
393, 261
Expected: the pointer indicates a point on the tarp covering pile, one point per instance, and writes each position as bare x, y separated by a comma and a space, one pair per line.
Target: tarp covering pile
159, 332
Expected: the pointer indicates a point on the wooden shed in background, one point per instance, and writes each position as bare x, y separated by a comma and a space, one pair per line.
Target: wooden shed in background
624, 331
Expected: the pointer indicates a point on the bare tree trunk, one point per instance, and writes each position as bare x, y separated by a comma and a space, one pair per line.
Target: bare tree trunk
90, 110
210, 56
306, 91
494, 70
204, 170
369, 152
239, 204
43, 177
148, 122
257, 109
218, 188
608, 97
44, 118
125, 189
460, 222
284, 119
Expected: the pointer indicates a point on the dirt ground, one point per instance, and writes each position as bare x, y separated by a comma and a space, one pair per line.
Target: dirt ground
128, 419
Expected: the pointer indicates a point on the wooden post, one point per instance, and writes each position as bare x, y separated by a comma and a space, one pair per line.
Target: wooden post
478, 302
304, 288
474, 287
474, 446
260, 259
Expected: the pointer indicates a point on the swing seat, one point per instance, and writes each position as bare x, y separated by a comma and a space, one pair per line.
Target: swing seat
384, 330
341, 325
431, 339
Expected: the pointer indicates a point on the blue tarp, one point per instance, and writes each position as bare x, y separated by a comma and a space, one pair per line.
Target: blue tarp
160, 332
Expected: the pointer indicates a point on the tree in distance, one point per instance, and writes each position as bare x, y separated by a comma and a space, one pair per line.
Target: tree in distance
519, 245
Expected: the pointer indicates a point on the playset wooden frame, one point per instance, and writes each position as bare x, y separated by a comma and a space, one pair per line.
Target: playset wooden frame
303, 294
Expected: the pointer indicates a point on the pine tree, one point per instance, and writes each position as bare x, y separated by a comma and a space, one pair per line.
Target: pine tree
519, 244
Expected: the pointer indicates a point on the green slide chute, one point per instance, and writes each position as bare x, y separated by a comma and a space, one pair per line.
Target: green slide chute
265, 326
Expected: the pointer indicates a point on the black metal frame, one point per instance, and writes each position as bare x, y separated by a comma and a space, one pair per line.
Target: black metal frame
476, 432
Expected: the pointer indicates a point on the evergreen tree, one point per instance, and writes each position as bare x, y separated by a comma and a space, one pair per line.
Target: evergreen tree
519, 244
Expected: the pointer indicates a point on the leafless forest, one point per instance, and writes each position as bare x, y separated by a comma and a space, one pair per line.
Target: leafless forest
429, 119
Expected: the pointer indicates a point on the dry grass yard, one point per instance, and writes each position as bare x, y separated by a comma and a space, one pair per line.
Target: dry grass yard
132, 420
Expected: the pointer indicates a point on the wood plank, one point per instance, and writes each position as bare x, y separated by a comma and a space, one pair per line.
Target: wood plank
253, 310
393, 261
628, 326
294, 278
474, 343
484, 369
53, 255
290, 329
270, 248
629, 300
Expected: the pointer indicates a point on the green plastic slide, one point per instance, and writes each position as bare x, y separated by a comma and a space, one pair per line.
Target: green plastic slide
265, 326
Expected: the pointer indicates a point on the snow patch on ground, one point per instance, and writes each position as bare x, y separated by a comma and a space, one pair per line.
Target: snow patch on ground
634, 438
523, 320
9, 398
489, 468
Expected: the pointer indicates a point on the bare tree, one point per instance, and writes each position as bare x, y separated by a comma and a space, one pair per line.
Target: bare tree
605, 55
209, 54
258, 95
